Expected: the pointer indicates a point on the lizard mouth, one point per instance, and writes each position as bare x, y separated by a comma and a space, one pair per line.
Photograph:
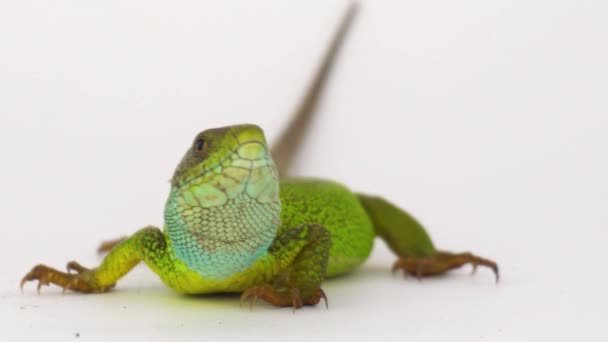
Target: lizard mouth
180, 185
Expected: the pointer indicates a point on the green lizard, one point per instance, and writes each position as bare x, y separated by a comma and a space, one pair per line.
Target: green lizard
231, 225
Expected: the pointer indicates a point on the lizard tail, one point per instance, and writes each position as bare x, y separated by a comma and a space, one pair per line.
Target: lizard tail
285, 148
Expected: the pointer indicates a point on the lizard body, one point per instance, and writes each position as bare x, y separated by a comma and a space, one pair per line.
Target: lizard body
232, 225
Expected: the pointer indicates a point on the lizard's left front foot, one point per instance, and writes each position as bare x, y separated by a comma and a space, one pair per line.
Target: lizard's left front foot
81, 281
289, 297
442, 262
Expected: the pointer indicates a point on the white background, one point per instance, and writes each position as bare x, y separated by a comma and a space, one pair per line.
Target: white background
486, 119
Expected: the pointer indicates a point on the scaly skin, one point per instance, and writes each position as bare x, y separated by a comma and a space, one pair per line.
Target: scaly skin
232, 226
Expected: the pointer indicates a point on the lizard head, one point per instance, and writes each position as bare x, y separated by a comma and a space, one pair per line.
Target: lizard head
224, 207
216, 148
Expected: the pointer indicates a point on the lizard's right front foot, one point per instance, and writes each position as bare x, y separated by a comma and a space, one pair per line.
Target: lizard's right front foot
287, 297
82, 281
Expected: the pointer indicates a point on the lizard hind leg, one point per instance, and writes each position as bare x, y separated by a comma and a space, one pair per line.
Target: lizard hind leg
303, 253
409, 240
441, 262
147, 244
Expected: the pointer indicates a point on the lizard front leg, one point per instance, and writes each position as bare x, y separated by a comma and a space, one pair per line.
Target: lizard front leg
147, 244
302, 254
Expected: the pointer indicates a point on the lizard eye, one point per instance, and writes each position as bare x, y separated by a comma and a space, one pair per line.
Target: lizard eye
200, 145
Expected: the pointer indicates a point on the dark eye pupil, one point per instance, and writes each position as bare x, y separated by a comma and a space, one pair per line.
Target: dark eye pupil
200, 144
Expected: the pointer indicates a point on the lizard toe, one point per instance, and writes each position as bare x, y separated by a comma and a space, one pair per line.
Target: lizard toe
290, 297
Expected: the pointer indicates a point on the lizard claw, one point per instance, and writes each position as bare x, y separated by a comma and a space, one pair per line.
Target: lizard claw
474, 269
253, 293
37, 273
82, 281
321, 293
440, 263
40, 283
296, 299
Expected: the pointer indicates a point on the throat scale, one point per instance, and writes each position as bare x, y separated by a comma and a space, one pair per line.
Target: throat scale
223, 220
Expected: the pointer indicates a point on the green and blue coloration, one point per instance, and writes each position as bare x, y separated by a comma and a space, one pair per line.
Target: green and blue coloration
231, 225
226, 230
221, 221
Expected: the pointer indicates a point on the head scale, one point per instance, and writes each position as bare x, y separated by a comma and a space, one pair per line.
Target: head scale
223, 210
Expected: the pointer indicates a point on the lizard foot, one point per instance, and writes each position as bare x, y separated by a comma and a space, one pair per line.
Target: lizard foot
290, 297
81, 281
440, 263
107, 246
76, 267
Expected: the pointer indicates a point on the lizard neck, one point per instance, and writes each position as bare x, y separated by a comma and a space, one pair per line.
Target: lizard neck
220, 223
